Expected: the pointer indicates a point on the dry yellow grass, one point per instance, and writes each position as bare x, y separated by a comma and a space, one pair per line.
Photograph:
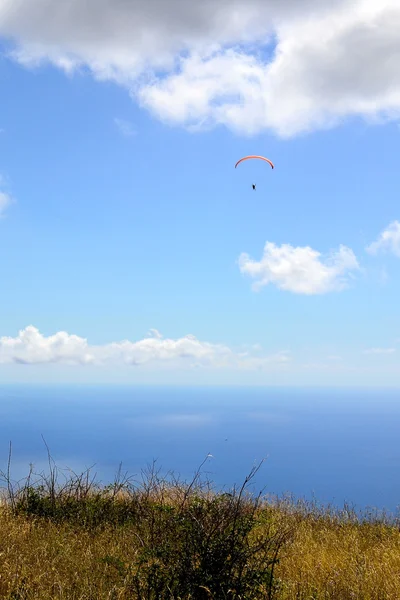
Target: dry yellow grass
325, 558
83, 542
43, 560
341, 561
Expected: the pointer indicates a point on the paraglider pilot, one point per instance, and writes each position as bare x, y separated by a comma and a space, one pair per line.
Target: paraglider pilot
254, 186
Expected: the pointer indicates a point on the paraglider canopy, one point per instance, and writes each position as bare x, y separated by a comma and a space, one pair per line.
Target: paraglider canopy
255, 156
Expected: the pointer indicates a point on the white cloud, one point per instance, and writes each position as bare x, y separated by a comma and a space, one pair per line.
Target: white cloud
379, 351
155, 333
32, 347
388, 240
249, 65
299, 269
125, 127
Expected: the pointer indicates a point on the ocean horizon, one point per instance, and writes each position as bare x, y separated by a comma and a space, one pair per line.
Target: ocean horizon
333, 445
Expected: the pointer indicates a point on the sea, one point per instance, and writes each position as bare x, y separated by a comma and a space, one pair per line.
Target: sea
328, 446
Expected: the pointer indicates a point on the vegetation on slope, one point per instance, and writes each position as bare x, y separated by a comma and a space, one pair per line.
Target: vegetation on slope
161, 539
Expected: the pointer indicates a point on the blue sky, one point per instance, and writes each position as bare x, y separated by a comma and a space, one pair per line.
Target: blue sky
122, 212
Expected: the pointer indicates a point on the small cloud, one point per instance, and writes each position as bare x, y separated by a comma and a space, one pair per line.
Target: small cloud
388, 240
299, 269
125, 127
379, 351
154, 333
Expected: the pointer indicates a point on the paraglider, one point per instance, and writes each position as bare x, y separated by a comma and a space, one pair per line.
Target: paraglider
255, 156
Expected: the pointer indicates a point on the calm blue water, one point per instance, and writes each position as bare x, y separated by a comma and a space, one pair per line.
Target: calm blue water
334, 445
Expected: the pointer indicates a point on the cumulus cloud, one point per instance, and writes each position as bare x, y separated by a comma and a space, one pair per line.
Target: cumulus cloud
300, 270
30, 346
388, 240
280, 65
